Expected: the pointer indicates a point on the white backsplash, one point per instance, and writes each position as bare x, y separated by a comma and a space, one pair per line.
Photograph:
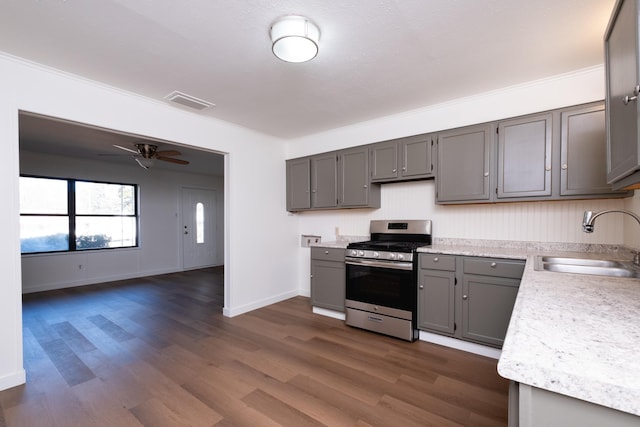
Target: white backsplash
527, 221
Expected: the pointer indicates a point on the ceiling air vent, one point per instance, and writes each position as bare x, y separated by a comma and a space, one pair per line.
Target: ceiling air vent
188, 100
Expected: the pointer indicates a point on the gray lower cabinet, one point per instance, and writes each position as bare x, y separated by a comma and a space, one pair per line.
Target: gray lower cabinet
541, 408
402, 159
469, 298
463, 171
436, 293
328, 275
622, 54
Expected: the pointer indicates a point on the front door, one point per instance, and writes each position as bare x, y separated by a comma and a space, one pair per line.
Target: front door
198, 231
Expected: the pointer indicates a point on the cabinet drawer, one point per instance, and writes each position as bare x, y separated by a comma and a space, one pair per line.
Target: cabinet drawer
493, 267
438, 262
328, 254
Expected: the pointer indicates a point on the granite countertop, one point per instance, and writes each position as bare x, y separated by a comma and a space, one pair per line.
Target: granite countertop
573, 334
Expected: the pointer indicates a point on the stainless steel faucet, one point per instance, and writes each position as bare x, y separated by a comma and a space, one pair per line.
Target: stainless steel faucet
588, 225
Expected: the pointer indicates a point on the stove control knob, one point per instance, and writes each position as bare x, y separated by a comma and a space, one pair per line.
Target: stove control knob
400, 256
353, 252
392, 256
360, 253
376, 254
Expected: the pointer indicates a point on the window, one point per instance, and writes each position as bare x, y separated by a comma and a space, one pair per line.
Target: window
58, 215
199, 222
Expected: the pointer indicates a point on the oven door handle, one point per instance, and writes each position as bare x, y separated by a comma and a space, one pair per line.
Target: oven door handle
382, 264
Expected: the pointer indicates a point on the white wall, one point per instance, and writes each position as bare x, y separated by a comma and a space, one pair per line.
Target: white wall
160, 248
531, 221
257, 228
631, 227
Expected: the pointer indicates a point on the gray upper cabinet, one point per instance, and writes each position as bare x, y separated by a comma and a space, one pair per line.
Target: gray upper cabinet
402, 159
384, 161
464, 164
554, 155
524, 157
355, 187
582, 149
298, 184
622, 88
339, 179
324, 181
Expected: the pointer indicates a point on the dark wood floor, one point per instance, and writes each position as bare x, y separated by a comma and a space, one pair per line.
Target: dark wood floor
158, 352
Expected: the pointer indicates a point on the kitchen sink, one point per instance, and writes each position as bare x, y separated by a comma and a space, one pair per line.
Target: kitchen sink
598, 267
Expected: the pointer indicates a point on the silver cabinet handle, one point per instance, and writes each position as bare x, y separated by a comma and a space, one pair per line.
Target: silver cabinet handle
435, 259
326, 252
486, 174
394, 171
421, 286
564, 166
493, 265
465, 297
547, 168
627, 99
404, 169
365, 186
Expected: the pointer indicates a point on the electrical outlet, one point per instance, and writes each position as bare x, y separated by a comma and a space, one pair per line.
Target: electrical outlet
307, 240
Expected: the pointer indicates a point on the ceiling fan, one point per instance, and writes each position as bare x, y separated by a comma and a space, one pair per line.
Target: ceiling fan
145, 154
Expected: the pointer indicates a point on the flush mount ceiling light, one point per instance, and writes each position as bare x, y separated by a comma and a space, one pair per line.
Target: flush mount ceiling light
295, 39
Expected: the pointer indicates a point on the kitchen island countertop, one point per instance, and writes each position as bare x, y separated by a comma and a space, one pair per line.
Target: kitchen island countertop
573, 334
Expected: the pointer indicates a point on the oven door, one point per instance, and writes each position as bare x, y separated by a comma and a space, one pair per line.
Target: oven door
380, 283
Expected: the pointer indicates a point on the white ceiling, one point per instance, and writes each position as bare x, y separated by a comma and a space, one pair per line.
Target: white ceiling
377, 57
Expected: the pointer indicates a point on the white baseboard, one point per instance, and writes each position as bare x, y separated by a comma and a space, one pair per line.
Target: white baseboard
329, 313
12, 380
97, 280
467, 346
236, 311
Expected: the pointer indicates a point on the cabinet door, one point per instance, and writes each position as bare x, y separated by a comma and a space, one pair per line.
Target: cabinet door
298, 184
328, 284
416, 158
436, 301
354, 177
582, 152
463, 167
324, 181
487, 303
524, 157
384, 161
621, 60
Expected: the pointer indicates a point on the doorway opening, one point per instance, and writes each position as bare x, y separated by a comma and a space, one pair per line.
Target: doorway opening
52, 147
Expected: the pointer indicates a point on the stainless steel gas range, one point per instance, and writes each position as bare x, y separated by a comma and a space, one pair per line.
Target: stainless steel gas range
381, 278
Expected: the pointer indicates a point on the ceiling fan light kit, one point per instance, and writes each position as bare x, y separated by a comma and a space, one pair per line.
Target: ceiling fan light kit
295, 38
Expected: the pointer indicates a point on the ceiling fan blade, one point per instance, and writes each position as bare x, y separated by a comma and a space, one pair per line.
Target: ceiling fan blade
131, 150
140, 163
168, 153
172, 160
